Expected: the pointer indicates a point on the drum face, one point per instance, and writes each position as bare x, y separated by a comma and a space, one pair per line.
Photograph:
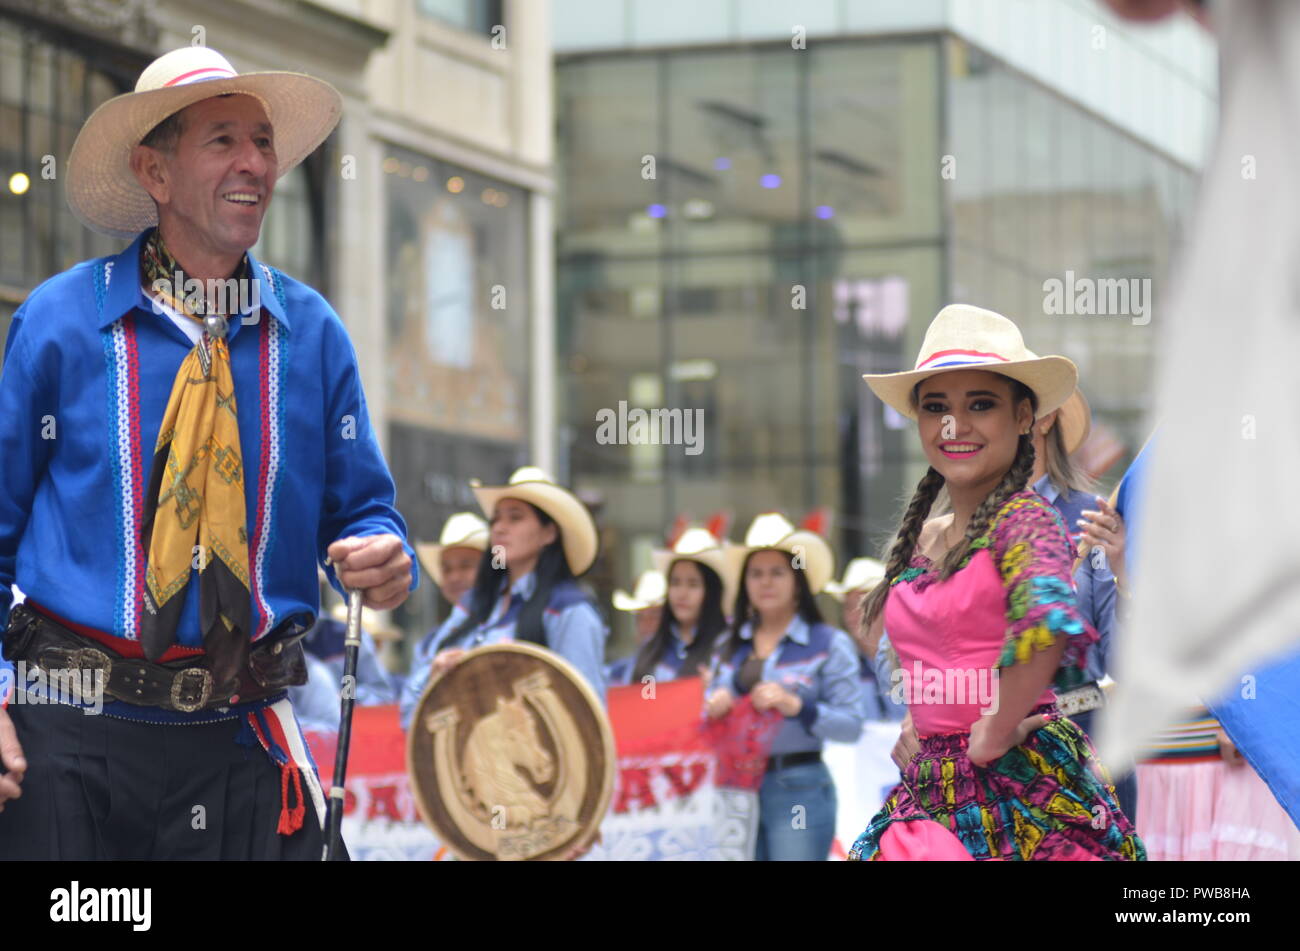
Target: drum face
511, 756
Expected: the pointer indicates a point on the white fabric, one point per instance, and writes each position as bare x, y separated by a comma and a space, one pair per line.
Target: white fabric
282, 710
1217, 584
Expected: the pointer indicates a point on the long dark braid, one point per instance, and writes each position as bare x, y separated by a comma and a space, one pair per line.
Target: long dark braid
1014, 481
918, 510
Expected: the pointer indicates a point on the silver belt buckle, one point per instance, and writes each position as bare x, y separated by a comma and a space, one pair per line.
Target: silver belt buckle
90, 658
1080, 700
204, 686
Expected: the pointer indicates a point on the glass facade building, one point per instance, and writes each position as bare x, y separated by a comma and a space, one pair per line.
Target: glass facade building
747, 229
48, 86
456, 306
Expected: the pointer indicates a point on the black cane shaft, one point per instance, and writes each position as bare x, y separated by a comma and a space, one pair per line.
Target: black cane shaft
351, 651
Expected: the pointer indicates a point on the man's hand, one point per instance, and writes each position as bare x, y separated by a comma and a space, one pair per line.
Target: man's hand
377, 564
11, 757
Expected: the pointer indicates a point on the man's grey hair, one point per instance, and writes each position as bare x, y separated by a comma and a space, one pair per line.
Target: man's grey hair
166, 134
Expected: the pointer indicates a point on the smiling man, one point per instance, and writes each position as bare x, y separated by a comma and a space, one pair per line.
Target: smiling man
174, 464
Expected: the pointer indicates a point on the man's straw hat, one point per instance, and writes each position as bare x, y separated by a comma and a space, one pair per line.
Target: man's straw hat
103, 191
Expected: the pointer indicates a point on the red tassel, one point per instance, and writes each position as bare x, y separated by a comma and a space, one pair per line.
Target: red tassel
290, 819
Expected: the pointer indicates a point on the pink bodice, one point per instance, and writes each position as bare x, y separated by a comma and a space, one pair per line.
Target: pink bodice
951, 632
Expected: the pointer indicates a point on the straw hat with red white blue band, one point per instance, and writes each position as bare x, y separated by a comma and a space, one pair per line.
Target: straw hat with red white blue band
962, 337
102, 190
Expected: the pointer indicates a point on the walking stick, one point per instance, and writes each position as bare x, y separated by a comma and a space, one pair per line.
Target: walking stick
351, 648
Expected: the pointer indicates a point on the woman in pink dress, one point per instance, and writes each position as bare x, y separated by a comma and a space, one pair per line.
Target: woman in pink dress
982, 615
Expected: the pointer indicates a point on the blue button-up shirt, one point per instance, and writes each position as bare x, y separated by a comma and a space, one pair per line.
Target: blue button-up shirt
883, 666
670, 664
88, 369
575, 632
1093, 580
820, 664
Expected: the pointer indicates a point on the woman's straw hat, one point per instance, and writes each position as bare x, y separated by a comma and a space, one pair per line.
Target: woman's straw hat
102, 190
702, 546
462, 530
530, 484
1075, 421
773, 531
650, 591
962, 337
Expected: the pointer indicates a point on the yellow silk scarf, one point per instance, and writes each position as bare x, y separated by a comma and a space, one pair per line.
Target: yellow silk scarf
195, 518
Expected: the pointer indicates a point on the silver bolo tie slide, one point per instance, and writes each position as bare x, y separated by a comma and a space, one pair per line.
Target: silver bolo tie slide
216, 325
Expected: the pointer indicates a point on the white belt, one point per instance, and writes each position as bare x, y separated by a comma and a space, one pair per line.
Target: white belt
1080, 700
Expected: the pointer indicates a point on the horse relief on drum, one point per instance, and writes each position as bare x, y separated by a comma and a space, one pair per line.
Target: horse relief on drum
511, 755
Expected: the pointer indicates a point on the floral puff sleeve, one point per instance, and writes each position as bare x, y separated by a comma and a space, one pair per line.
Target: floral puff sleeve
1032, 550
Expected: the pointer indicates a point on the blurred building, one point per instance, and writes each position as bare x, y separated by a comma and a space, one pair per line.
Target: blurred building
759, 202
425, 218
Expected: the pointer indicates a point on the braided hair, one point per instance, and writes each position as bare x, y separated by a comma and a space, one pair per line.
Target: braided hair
918, 510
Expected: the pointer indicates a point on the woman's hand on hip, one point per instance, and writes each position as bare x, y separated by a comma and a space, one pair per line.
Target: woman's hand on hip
908, 744
987, 747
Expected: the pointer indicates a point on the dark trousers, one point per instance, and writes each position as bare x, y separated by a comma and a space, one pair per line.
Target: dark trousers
98, 787
1126, 789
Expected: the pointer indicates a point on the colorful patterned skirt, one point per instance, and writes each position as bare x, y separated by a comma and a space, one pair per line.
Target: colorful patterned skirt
1048, 799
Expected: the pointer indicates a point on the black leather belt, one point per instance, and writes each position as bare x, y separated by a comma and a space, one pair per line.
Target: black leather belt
786, 760
273, 664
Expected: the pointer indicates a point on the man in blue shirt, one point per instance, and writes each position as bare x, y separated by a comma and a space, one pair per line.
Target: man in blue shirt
143, 422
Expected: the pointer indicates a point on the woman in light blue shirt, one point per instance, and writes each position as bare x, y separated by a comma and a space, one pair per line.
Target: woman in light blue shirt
525, 590
785, 657
700, 585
